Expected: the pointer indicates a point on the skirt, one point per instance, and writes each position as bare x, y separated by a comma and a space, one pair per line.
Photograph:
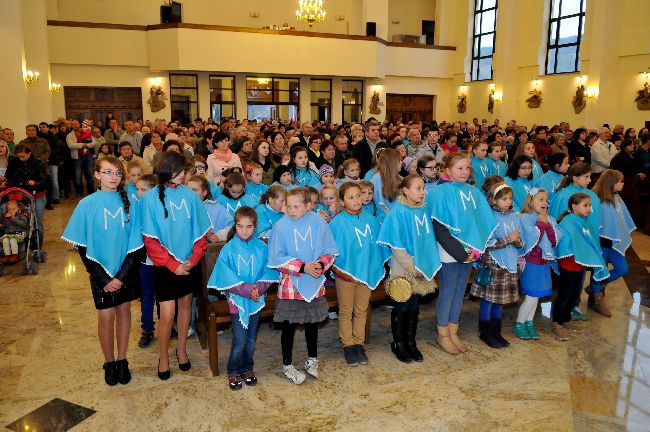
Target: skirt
503, 288
170, 286
301, 312
105, 300
536, 281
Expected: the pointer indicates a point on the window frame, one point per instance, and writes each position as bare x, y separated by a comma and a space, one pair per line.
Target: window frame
316, 104
558, 20
476, 38
275, 93
360, 105
196, 89
234, 95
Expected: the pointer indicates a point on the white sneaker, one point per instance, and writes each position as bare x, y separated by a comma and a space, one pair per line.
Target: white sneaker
191, 332
311, 366
293, 374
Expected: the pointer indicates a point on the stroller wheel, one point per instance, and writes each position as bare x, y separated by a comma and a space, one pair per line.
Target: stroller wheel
25, 270
43, 257
34, 268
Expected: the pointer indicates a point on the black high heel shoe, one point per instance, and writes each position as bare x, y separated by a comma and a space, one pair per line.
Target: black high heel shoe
110, 373
123, 372
183, 366
165, 374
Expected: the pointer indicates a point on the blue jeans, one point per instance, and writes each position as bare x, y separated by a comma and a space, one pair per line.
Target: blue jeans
39, 203
147, 299
453, 281
243, 345
53, 170
83, 166
412, 304
620, 269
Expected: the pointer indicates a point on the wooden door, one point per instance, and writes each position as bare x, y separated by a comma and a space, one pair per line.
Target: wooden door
409, 107
94, 102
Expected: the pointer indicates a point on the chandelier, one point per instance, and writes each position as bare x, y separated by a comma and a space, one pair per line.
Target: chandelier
310, 11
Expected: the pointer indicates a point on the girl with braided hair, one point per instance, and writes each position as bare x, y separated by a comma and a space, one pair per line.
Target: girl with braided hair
174, 224
105, 229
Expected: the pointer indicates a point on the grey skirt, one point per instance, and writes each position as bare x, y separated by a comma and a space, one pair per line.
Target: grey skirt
301, 312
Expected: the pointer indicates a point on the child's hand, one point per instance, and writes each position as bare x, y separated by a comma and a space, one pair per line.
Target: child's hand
113, 285
514, 236
314, 269
180, 271
187, 265
212, 237
255, 295
543, 217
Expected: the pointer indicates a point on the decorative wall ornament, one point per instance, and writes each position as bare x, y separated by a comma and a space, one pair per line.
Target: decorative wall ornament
535, 99
579, 101
462, 103
643, 98
156, 98
374, 104
491, 100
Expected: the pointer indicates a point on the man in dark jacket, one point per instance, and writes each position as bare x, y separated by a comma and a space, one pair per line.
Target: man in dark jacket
364, 151
40, 147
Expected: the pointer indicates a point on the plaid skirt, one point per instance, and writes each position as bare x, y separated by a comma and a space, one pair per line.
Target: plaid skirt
504, 286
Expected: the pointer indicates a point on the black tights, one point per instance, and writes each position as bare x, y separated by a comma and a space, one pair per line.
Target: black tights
288, 331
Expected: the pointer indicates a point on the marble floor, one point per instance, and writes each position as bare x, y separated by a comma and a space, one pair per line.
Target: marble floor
49, 355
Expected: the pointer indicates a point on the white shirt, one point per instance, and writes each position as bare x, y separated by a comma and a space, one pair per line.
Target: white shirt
602, 153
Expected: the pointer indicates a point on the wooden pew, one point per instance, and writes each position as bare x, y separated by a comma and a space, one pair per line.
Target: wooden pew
210, 314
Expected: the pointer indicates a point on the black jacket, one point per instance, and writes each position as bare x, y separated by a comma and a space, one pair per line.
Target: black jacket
364, 155
626, 164
30, 175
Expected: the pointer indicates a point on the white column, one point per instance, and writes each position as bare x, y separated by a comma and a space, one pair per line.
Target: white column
240, 96
37, 58
305, 99
204, 95
337, 97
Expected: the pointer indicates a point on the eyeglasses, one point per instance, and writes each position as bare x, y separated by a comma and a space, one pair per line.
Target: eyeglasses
200, 167
118, 174
434, 168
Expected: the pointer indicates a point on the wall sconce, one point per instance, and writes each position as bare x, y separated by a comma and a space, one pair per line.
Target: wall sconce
592, 94
340, 17
156, 80
376, 87
536, 83
582, 80
492, 86
498, 97
395, 21
462, 90
645, 76
30, 77
254, 14
55, 87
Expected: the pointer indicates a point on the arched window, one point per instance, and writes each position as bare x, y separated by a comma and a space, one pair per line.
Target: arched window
485, 24
565, 30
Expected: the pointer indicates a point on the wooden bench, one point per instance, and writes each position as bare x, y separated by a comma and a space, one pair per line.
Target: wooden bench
210, 314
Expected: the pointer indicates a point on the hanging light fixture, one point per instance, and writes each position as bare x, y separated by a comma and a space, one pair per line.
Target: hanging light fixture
310, 11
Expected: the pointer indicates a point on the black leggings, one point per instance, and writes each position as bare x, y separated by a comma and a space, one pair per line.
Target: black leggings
311, 337
568, 294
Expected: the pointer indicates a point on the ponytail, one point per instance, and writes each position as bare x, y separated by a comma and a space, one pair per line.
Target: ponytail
161, 196
125, 200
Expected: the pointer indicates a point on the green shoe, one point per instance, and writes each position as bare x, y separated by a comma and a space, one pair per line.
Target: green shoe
578, 315
521, 331
532, 331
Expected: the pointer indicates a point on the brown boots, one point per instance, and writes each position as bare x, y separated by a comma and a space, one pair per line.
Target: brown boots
448, 339
597, 304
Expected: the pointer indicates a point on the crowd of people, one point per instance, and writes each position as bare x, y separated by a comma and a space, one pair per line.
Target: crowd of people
300, 206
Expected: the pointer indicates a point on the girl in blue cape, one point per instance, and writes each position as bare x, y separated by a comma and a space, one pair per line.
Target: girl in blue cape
519, 177
359, 269
300, 170
578, 248
302, 249
386, 180
463, 222
174, 225
528, 150
328, 203
480, 164
220, 219
282, 177
326, 177
614, 235
368, 203
540, 235
270, 210
105, 229
501, 257
558, 164
133, 173
495, 153
408, 232
241, 272
254, 177
428, 171
234, 194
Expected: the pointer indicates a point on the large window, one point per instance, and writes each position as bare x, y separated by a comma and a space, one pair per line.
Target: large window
352, 101
273, 98
485, 25
184, 97
321, 99
565, 30
222, 97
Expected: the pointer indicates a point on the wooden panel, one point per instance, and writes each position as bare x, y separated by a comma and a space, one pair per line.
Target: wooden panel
409, 107
93, 103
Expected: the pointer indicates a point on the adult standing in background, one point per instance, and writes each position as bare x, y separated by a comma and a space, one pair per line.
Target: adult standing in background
8, 137
81, 153
132, 136
39, 147
113, 134
365, 149
602, 153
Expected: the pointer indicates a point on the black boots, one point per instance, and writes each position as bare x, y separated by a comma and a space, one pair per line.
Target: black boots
398, 324
411, 331
496, 325
110, 373
123, 372
490, 333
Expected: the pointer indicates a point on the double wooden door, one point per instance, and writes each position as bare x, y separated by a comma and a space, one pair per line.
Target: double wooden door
409, 107
94, 102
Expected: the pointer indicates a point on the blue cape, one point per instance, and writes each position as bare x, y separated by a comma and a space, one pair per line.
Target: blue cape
581, 242
464, 210
429, 186
100, 224
550, 182
530, 234
266, 218
481, 170
410, 229
506, 257
306, 177
617, 225
286, 187
520, 188
219, 216
233, 204
186, 223
497, 167
242, 262
305, 239
371, 172
215, 190
378, 196
373, 209
256, 191
561, 203
537, 170
131, 191
360, 257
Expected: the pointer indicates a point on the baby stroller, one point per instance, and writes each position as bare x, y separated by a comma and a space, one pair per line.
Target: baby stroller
30, 249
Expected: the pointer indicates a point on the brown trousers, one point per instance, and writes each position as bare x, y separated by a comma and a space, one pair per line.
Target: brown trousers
353, 298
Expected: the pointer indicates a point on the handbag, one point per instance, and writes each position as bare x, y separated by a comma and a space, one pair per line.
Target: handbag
483, 275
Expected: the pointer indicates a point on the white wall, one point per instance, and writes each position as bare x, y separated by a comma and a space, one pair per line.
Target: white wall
410, 14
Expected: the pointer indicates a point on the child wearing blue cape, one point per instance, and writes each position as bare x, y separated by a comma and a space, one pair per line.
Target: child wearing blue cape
368, 203
540, 235
558, 164
269, 210
241, 272
300, 170
348, 171
408, 232
428, 171
463, 222
133, 173
105, 229
234, 193
282, 177
174, 225
220, 218
254, 177
528, 150
359, 268
520, 178
578, 249
326, 177
495, 153
328, 203
302, 249
480, 164
617, 224
501, 257
387, 179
